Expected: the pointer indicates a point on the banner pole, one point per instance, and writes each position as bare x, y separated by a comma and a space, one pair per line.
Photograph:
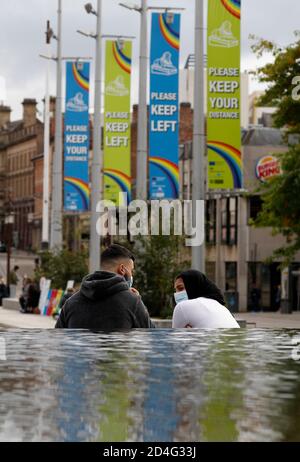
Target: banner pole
57, 184
142, 135
45, 219
199, 139
97, 162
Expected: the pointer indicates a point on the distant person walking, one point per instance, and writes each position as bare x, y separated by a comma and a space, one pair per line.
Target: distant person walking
13, 281
255, 296
200, 304
277, 298
106, 299
68, 294
3, 290
29, 300
14, 277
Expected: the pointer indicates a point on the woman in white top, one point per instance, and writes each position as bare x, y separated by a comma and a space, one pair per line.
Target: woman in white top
200, 304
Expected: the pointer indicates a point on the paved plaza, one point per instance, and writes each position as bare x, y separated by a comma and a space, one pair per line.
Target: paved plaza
15, 319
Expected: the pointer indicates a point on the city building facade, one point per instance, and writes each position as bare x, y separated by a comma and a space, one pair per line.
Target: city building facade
236, 251
20, 142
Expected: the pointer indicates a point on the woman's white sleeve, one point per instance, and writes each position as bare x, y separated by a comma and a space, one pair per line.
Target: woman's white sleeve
178, 321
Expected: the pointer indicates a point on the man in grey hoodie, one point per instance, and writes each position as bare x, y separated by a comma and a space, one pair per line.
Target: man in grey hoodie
106, 300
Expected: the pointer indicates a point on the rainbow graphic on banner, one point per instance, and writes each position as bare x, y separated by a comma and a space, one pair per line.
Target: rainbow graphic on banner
123, 60
53, 300
233, 6
171, 36
82, 81
122, 180
232, 157
82, 188
170, 169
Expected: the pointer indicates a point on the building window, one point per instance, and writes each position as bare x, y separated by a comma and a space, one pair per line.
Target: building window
229, 220
210, 270
211, 222
231, 276
255, 206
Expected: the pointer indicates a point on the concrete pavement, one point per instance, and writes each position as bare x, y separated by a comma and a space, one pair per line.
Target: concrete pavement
270, 320
15, 319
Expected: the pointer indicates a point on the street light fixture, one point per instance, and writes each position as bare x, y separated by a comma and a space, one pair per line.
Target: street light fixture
131, 7
90, 35
89, 9
49, 34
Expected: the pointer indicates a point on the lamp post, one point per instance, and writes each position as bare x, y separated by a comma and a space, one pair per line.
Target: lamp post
45, 220
142, 129
56, 237
199, 140
142, 133
97, 162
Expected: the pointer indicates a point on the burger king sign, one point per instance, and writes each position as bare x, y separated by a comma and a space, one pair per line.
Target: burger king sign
267, 167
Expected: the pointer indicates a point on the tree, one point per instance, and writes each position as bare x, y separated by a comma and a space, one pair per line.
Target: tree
281, 203
158, 262
279, 76
63, 267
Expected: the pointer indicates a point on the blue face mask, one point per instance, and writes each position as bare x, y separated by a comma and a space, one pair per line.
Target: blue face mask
181, 296
129, 280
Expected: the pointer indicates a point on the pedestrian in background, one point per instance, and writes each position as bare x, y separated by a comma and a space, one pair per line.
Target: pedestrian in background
255, 296
3, 290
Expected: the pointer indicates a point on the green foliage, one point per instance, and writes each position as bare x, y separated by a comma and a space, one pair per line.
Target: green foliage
279, 77
281, 204
158, 261
62, 267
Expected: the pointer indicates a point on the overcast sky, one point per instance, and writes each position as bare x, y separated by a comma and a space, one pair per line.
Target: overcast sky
23, 23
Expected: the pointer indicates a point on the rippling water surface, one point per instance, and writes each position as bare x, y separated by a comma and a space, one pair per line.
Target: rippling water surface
153, 386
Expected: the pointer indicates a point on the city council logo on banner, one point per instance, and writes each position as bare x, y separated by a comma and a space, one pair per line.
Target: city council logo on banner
267, 167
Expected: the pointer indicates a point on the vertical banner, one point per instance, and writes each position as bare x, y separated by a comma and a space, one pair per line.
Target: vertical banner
164, 106
77, 139
117, 130
223, 111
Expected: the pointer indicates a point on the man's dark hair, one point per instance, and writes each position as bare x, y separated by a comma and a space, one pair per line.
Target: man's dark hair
115, 252
16, 268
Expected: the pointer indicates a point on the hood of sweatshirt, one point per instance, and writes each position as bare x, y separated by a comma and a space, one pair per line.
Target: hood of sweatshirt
102, 284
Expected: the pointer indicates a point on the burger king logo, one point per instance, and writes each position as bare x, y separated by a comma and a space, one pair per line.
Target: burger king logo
267, 167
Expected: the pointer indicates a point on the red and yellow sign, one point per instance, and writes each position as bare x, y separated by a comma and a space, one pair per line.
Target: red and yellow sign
267, 167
